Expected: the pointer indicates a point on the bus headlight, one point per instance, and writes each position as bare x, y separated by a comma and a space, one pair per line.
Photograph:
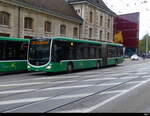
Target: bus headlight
29, 67
48, 67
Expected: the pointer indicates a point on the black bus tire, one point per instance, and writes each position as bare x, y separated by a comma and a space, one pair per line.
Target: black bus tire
116, 62
98, 65
69, 68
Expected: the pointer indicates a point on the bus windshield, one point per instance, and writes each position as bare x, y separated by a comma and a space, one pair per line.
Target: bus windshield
39, 52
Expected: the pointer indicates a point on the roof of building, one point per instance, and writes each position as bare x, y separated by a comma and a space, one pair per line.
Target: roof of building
97, 3
55, 7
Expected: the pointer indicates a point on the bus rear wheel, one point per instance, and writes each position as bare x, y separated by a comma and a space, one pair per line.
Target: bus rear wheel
70, 68
98, 65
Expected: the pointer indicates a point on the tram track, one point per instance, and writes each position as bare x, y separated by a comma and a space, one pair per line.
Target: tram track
98, 92
81, 78
107, 89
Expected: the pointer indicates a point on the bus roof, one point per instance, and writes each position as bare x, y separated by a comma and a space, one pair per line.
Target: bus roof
14, 39
85, 41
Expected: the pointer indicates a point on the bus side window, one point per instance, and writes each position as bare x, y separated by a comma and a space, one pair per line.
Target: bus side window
23, 51
59, 51
10, 50
78, 52
100, 52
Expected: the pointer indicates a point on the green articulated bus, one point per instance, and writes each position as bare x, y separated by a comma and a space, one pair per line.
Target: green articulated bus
13, 54
58, 54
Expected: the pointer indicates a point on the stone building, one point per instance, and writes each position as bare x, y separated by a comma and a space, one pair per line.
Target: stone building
98, 19
38, 18
84, 19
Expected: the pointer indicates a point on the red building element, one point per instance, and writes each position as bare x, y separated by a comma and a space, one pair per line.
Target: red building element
128, 24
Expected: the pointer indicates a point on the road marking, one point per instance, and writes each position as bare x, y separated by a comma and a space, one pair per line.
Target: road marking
36, 83
112, 98
59, 82
16, 91
103, 84
134, 82
146, 76
22, 100
43, 78
128, 77
71, 96
97, 79
109, 92
88, 110
22, 84
67, 87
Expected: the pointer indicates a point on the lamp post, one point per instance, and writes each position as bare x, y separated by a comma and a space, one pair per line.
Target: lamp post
146, 45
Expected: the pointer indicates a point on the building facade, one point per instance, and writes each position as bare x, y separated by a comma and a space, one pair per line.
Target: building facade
19, 19
46, 18
98, 19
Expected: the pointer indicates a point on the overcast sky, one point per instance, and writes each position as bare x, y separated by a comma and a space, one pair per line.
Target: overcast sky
131, 6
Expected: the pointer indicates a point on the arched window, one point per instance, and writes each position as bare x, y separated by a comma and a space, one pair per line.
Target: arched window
101, 20
4, 18
91, 17
108, 25
63, 29
48, 26
28, 23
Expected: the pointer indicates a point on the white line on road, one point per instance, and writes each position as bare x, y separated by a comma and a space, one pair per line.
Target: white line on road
99, 79
71, 96
22, 84
106, 84
109, 92
86, 110
67, 87
36, 83
22, 100
16, 91
43, 78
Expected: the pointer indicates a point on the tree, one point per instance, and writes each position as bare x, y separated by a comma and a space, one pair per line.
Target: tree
142, 44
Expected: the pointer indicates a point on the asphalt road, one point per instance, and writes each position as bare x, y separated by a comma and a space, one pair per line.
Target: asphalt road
123, 88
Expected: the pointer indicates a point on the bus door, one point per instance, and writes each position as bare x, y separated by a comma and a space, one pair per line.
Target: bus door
104, 54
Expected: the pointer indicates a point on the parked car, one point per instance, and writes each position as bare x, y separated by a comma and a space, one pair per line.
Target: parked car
135, 57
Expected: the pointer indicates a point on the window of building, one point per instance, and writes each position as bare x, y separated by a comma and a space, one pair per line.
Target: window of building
101, 20
4, 35
4, 18
91, 17
90, 32
75, 31
108, 36
63, 29
48, 26
28, 37
100, 35
108, 23
28, 23
78, 11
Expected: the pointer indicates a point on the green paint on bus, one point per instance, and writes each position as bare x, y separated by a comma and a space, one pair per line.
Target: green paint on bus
64, 54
